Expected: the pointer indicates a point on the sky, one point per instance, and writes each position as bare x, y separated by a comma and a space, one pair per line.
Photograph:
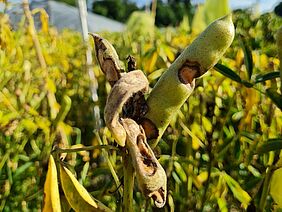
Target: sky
264, 5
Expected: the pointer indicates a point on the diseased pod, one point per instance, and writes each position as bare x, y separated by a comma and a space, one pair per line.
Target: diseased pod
151, 176
132, 129
129, 88
177, 83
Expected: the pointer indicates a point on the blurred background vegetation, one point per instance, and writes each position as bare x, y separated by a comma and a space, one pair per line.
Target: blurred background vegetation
210, 151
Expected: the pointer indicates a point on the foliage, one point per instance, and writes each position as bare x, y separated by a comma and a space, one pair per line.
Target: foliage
208, 12
166, 14
121, 10
118, 10
211, 151
141, 25
27, 129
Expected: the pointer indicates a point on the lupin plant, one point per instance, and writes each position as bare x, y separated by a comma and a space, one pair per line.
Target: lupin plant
164, 101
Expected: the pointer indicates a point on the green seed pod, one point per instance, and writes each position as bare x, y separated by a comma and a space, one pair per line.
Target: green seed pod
178, 82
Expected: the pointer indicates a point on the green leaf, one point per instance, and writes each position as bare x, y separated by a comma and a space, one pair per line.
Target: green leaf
270, 145
222, 204
180, 171
267, 76
248, 59
227, 72
236, 189
275, 97
247, 84
22, 169
66, 105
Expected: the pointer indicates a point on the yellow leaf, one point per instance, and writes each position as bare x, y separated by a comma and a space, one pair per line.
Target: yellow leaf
152, 62
76, 194
237, 191
169, 53
264, 61
202, 177
222, 204
29, 125
276, 187
51, 86
207, 124
51, 189
196, 140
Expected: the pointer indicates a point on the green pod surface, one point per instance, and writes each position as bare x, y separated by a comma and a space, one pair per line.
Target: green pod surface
178, 82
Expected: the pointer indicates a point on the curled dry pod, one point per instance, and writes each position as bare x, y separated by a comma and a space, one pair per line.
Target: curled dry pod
177, 83
151, 176
77, 195
123, 89
107, 58
51, 189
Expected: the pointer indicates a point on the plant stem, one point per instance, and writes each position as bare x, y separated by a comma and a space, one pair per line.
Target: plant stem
109, 162
210, 164
87, 148
128, 184
279, 44
34, 36
265, 189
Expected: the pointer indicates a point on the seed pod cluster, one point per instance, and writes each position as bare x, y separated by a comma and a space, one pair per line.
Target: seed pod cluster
166, 98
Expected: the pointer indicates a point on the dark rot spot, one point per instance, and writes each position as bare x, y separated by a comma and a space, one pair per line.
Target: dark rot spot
189, 71
150, 128
111, 72
149, 166
131, 63
135, 107
159, 197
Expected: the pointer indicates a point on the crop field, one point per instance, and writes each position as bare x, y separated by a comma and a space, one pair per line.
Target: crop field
220, 152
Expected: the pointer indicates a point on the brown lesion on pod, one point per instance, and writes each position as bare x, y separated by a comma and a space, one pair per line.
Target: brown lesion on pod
149, 166
150, 128
112, 75
189, 71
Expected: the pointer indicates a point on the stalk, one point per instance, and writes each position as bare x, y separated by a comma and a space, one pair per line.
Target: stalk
279, 45
265, 188
128, 171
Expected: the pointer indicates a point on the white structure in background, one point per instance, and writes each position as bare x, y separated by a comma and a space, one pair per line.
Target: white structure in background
65, 16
